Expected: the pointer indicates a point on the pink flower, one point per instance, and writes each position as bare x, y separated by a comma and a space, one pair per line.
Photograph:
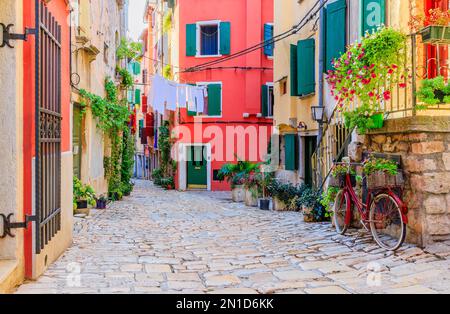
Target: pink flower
374, 75
402, 85
387, 95
371, 94
372, 66
350, 72
390, 71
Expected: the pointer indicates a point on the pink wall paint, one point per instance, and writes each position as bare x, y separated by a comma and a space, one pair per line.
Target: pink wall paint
241, 89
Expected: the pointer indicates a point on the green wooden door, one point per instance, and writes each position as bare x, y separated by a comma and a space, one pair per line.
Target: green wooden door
197, 177
310, 147
76, 139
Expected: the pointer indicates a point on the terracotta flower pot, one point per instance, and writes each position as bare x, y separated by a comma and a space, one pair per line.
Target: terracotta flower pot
308, 215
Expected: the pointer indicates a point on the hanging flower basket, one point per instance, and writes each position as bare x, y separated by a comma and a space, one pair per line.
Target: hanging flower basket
435, 35
381, 179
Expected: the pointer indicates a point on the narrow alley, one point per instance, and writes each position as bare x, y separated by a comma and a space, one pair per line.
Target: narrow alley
160, 241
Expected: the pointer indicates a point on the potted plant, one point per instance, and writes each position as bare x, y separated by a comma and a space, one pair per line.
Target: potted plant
102, 201
434, 27
168, 183
234, 174
382, 173
284, 196
83, 197
308, 201
434, 92
265, 179
115, 195
328, 198
340, 173
252, 189
364, 118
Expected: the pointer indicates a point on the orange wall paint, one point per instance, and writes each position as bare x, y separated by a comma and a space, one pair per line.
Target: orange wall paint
59, 10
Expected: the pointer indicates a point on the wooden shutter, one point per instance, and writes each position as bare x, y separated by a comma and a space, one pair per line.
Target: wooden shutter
191, 40
265, 100
214, 99
225, 35
373, 14
291, 157
137, 96
335, 31
306, 56
136, 68
294, 75
268, 35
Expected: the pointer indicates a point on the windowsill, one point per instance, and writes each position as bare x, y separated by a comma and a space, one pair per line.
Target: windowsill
208, 56
211, 117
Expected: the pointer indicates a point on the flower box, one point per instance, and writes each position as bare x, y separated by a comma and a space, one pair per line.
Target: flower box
435, 35
380, 180
339, 181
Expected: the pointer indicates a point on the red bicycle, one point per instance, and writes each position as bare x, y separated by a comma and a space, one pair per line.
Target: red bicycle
384, 212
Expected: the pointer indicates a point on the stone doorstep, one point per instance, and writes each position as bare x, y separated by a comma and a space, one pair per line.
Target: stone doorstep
7, 268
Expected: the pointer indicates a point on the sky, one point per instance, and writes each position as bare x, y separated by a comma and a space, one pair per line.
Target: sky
136, 18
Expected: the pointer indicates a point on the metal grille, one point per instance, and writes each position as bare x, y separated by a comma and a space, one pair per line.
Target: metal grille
48, 130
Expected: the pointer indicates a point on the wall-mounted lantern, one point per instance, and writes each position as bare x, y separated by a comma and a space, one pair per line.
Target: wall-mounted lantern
318, 114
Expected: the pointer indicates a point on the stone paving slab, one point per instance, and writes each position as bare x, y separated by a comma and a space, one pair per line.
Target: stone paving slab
160, 241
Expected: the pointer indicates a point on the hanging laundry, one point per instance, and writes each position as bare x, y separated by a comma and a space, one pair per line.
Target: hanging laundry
199, 96
191, 104
171, 99
159, 93
182, 96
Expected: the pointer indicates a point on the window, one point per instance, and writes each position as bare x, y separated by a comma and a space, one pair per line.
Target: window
283, 87
105, 52
208, 39
267, 102
268, 35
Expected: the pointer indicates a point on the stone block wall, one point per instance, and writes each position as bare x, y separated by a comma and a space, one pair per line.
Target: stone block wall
424, 144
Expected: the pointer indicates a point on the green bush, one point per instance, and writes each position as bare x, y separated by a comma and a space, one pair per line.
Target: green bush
82, 192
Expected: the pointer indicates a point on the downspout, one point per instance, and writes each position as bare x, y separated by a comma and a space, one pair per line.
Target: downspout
321, 85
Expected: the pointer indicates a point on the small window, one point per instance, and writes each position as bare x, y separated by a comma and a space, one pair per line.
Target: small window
209, 40
216, 175
283, 87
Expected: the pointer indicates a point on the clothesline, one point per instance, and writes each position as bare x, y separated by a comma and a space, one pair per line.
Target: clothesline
170, 95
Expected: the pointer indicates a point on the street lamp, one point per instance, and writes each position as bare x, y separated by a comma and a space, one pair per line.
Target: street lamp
318, 114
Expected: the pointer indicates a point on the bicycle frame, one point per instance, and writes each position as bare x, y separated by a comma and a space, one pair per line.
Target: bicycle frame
363, 209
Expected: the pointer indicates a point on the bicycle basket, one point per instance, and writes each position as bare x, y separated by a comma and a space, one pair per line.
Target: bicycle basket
382, 179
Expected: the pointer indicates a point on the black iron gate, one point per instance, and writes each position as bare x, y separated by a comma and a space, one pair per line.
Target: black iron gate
48, 127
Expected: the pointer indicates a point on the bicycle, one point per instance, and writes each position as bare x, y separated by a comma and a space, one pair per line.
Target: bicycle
384, 212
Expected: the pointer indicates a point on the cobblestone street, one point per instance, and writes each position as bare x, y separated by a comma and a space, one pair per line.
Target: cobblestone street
198, 242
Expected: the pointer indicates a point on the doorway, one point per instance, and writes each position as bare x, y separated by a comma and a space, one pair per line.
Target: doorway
310, 147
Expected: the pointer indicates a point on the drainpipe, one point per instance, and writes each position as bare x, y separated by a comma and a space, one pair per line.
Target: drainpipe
321, 87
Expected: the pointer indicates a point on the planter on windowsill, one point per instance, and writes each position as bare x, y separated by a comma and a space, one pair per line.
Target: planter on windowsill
436, 35
238, 194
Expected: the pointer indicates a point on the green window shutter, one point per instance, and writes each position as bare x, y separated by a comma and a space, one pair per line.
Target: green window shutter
137, 96
214, 99
225, 34
294, 75
373, 15
265, 100
335, 31
191, 40
306, 56
290, 152
136, 68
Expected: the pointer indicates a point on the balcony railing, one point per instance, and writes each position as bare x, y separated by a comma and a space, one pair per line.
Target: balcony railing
333, 144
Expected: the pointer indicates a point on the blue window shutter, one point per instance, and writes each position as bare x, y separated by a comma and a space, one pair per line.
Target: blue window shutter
191, 40
335, 31
293, 72
268, 35
306, 56
225, 38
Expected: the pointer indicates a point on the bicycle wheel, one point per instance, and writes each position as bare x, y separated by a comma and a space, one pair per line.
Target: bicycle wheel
340, 211
386, 222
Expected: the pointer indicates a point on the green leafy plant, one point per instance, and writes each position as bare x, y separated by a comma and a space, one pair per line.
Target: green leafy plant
167, 72
328, 198
361, 118
286, 193
236, 173
340, 170
373, 165
126, 169
128, 49
127, 79
433, 92
82, 192
167, 21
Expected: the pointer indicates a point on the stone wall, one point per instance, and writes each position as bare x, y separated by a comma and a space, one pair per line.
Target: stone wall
424, 144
